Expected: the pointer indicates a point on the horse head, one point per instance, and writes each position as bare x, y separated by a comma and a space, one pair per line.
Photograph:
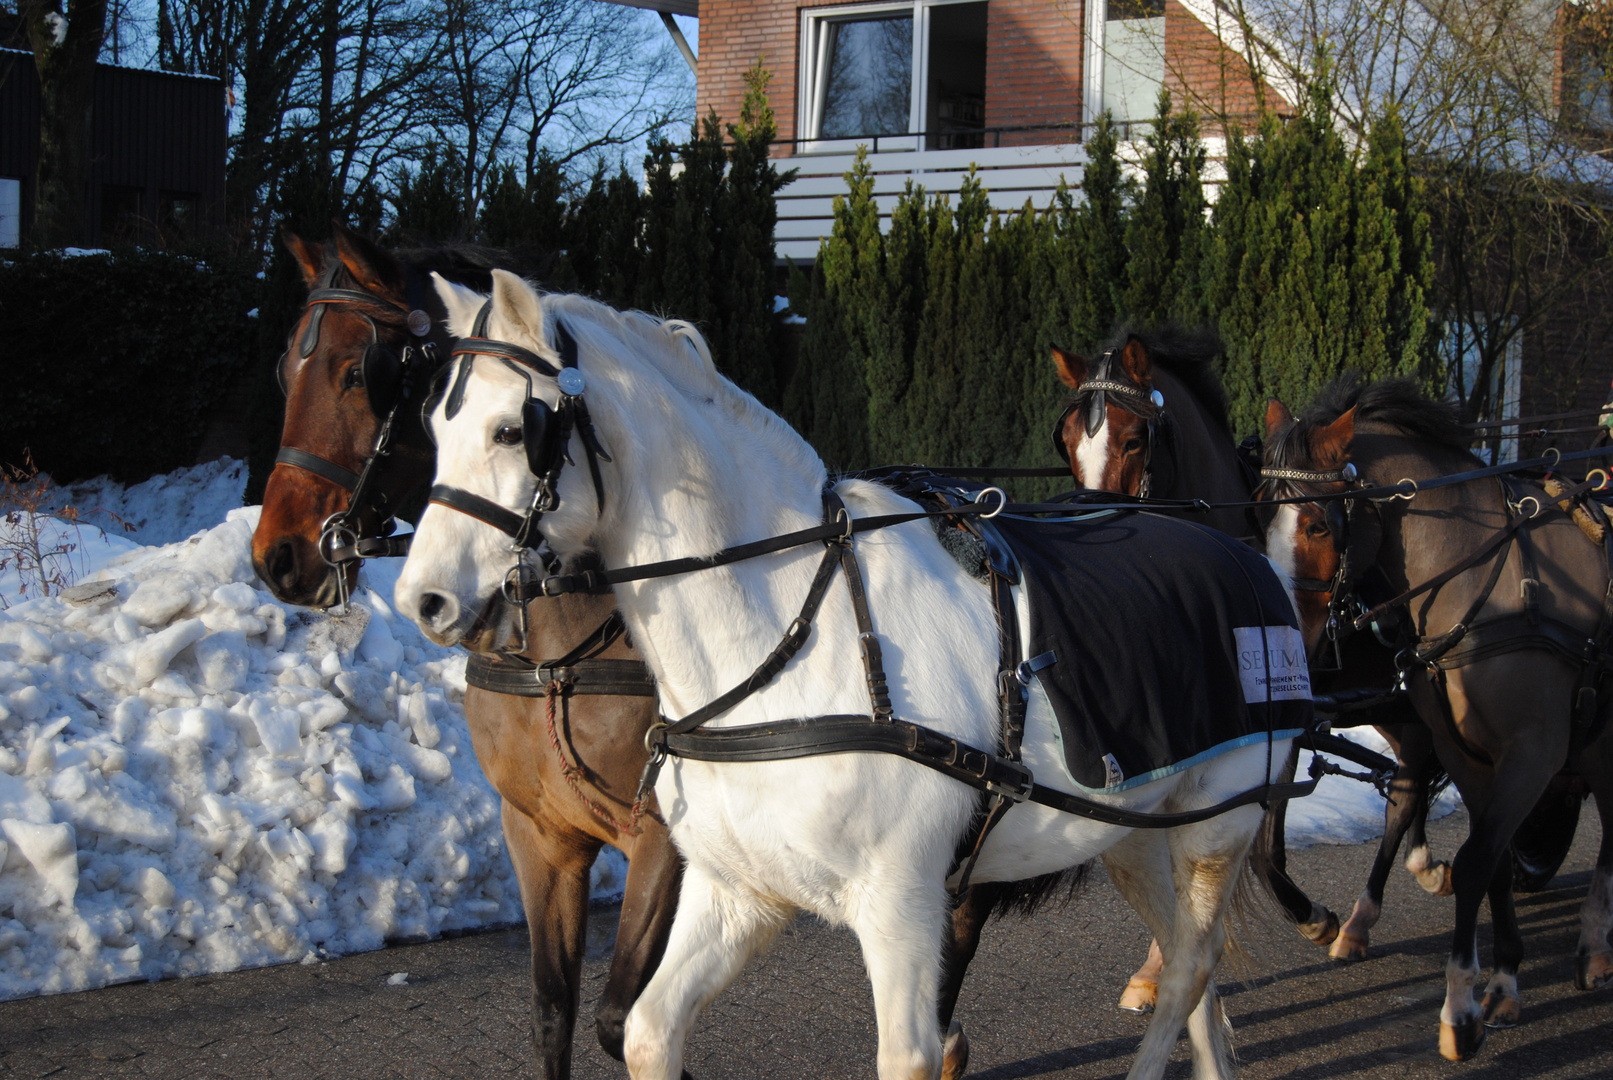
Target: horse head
347, 368
504, 420
1324, 546
1109, 432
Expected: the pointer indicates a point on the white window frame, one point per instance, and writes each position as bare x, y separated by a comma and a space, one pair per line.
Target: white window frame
1094, 63
809, 78
11, 219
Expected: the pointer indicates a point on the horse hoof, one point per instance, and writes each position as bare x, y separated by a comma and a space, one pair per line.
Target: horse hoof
1593, 971
1499, 1011
1139, 997
955, 1053
1437, 880
1348, 946
1324, 932
1461, 1043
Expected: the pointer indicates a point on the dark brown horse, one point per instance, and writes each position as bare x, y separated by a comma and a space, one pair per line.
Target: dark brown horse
567, 778
1148, 417
1501, 609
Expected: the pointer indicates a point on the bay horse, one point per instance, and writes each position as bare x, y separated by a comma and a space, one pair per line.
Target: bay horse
1149, 417
672, 461
1501, 635
565, 767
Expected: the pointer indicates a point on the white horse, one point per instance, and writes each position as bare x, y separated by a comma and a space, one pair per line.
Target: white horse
862, 840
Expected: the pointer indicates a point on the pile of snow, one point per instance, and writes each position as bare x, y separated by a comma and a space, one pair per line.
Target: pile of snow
1346, 811
196, 778
161, 510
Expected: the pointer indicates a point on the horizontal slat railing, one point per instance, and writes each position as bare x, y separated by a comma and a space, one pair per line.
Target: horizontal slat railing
1011, 174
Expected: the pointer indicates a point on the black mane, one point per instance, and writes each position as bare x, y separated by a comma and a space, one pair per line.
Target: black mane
1397, 403
1188, 353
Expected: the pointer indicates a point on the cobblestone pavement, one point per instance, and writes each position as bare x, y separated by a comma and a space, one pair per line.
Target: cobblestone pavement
1039, 1002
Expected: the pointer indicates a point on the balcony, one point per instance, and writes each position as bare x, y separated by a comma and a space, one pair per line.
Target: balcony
1011, 174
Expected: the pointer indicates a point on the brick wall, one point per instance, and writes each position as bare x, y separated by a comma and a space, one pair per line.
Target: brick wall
1034, 54
1201, 71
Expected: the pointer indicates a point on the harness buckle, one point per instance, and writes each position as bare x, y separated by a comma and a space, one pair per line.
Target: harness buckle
1018, 788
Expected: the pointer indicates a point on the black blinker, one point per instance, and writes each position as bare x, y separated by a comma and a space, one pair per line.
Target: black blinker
383, 377
1338, 525
541, 435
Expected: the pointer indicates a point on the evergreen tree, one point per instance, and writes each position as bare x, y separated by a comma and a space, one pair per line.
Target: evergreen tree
602, 238
528, 219
1165, 230
932, 398
428, 204
1095, 271
889, 363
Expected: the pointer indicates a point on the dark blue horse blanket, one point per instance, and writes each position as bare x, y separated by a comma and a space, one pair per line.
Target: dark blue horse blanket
1160, 642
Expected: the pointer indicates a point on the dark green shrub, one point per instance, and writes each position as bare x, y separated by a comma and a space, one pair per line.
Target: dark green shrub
113, 362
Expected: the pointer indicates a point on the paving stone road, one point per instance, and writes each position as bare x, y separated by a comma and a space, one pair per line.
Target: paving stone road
1039, 1002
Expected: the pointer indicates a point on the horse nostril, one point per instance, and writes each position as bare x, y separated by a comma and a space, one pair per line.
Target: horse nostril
431, 606
282, 564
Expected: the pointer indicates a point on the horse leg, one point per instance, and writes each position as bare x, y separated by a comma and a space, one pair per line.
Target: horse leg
1315, 922
898, 928
1501, 1008
648, 905
715, 931
1405, 810
554, 894
1517, 786
1206, 860
1417, 753
958, 947
1593, 966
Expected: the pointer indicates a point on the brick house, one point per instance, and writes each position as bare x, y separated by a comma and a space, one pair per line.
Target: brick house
932, 87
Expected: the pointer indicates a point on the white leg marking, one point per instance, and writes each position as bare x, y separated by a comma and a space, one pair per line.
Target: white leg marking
1459, 1008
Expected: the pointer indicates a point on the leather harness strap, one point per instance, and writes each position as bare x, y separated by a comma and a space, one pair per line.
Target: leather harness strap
579, 671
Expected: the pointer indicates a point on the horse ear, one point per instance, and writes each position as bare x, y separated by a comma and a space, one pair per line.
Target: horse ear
1134, 361
371, 265
462, 304
517, 303
1277, 418
1072, 368
1330, 445
310, 257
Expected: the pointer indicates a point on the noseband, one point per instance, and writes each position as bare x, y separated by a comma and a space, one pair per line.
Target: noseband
546, 435
389, 378
1092, 398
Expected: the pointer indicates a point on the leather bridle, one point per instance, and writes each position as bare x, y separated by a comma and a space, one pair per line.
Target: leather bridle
546, 433
1092, 398
340, 540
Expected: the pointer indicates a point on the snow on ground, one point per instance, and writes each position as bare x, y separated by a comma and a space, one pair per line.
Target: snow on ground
1345, 811
195, 777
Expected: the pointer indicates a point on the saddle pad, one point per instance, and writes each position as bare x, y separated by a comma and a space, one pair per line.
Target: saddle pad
1170, 643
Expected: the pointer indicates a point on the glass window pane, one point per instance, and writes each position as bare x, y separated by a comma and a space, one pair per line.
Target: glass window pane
10, 212
869, 84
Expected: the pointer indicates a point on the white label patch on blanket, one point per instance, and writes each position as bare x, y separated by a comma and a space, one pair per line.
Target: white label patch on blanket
1279, 650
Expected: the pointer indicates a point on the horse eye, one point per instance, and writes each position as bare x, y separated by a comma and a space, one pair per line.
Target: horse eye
354, 377
1133, 445
1317, 528
508, 435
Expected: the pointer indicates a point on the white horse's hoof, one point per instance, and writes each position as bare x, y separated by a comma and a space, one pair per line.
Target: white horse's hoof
1139, 997
955, 1053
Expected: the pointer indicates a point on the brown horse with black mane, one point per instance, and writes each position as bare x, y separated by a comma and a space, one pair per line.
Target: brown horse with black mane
566, 764
1149, 417
1502, 612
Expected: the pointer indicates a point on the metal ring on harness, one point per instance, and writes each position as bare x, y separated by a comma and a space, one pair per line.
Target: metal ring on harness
334, 532
1556, 457
844, 515
1603, 474
513, 578
1529, 499
650, 741
1406, 495
1001, 505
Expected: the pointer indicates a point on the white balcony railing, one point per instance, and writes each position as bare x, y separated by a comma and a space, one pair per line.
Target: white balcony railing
1011, 174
